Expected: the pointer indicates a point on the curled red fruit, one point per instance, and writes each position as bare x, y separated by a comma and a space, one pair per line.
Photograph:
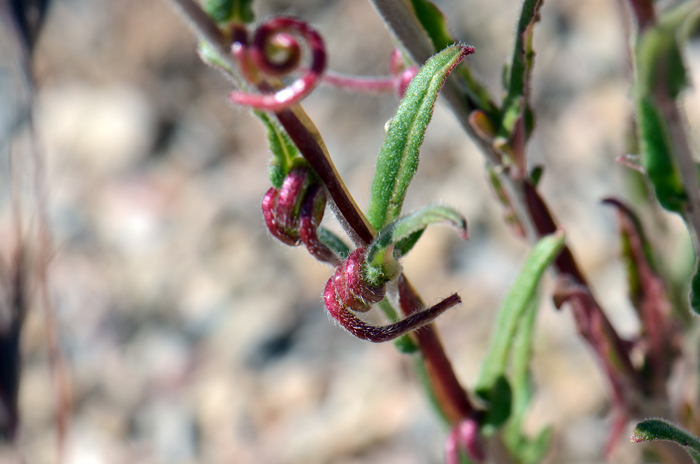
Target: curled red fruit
275, 51
346, 290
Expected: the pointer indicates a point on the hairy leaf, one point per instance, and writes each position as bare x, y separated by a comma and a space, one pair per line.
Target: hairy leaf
398, 158
659, 429
284, 152
226, 11
380, 264
513, 310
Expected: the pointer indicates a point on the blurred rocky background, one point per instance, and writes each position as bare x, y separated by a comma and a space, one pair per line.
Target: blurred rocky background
190, 336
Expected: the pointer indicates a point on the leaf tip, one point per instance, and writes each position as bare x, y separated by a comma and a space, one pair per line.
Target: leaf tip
467, 50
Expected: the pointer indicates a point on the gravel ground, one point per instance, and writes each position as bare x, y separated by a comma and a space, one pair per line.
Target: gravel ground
189, 335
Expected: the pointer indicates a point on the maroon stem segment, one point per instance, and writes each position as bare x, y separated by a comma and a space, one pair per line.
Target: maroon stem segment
449, 392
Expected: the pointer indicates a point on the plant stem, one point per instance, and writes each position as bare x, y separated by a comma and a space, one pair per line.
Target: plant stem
372, 85
449, 392
452, 397
528, 205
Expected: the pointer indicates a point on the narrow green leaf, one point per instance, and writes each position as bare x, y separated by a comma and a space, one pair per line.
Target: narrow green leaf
659, 429
499, 402
284, 152
333, 242
513, 309
519, 445
226, 11
520, 360
659, 62
434, 22
657, 156
660, 77
380, 264
515, 105
398, 158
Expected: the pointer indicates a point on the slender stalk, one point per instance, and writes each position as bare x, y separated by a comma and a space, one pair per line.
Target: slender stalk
372, 85
449, 392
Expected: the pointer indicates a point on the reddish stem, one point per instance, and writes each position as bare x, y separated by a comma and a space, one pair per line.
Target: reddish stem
644, 13
374, 85
449, 392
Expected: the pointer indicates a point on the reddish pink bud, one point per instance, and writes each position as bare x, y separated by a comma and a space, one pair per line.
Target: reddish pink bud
465, 437
290, 197
269, 205
312, 210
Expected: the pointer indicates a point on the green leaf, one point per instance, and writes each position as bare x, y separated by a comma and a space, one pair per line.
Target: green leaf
659, 429
513, 310
657, 156
499, 401
226, 11
434, 22
380, 264
658, 58
398, 158
660, 77
285, 153
516, 106
519, 445
435, 25
333, 242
